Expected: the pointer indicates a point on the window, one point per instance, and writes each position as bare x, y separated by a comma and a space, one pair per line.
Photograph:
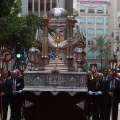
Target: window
106, 21
97, 54
99, 32
90, 42
91, 20
82, 20
88, 63
98, 64
83, 30
90, 54
91, 32
30, 2
91, 9
82, 8
29, 5
100, 9
100, 21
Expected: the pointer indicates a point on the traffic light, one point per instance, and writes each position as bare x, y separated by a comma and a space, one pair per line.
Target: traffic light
19, 52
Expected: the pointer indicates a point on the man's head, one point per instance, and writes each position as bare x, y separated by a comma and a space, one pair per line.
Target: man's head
112, 75
96, 76
14, 74
18, 72
100, 76
89, 75
5, 74
109, 70
105, 71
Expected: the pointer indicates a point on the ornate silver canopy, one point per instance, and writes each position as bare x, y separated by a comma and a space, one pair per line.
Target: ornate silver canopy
58, 13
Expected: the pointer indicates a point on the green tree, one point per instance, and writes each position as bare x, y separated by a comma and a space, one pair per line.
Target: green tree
14, 27
102, 45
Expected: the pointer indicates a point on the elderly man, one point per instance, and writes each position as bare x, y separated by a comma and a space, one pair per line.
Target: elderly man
16, 99
111, 100
95, 89
88, 104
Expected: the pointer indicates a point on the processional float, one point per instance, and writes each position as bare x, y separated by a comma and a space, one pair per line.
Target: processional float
63, 72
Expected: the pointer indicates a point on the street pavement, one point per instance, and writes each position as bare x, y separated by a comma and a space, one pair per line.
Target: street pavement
91, 119
8, 117
119, 113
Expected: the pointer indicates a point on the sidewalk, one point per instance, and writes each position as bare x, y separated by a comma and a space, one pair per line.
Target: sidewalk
8, 117
118, 113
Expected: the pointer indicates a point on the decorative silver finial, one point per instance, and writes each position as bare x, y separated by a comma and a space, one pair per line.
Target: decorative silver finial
57, 3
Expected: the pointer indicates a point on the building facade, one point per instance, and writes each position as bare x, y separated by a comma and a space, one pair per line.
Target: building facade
93, 20
41, 7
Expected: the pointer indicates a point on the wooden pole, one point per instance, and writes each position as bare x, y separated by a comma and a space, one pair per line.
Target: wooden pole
112, 101
0, 98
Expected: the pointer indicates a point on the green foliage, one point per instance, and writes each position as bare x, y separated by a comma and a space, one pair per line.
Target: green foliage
15, 28
8, 7
29, 29
103, 46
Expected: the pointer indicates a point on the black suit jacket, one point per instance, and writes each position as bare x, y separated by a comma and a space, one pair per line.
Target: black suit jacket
93, 88
7, 89
19, 83
107, 89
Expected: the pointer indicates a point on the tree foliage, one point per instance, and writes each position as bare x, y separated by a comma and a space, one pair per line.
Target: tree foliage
102, 45
14, 27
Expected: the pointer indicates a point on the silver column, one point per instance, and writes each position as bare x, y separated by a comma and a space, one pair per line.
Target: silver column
38, 8
45, 8
50, 4
33, 6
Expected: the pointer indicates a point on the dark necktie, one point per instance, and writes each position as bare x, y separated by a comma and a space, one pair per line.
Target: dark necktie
112, 84
96, 86
105, 78
14, 86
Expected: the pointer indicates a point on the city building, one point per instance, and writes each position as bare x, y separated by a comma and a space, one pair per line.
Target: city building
93, 20
99, 17
41, 7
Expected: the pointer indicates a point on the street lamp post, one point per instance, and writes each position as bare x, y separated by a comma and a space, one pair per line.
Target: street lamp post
113, 64
2, 66
80, 57
34, 56
93, 67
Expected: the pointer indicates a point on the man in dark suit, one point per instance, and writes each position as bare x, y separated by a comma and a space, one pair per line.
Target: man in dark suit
111, 96
95, 89
88, 104
5, 93
16, 98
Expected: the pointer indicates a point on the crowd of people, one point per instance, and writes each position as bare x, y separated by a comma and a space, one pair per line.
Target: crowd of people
101, 102
103, 95
12, 84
